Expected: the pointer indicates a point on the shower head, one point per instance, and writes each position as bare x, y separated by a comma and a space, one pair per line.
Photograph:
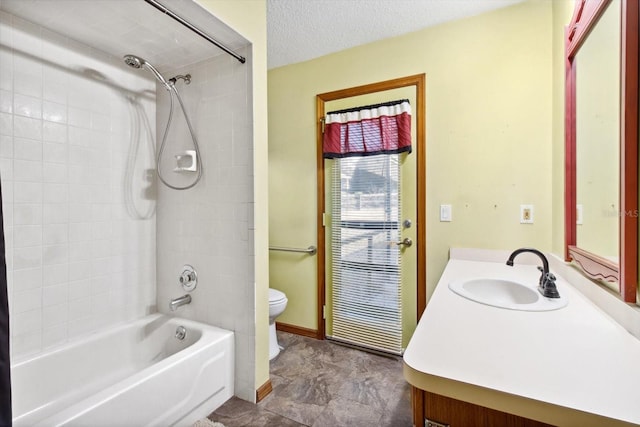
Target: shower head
137, 62
133, 61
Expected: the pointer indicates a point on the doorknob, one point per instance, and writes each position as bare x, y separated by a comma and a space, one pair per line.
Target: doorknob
407, 242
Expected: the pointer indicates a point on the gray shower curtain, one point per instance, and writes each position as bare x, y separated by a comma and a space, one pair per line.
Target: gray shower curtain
5, 364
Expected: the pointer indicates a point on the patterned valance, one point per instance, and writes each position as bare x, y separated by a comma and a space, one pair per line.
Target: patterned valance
365, 131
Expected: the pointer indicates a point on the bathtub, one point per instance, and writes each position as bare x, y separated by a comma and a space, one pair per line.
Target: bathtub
138, 374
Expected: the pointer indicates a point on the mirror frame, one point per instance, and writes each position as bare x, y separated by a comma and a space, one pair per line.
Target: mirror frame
585, 16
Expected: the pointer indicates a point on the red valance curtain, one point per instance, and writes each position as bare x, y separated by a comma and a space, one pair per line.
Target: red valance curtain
365, 131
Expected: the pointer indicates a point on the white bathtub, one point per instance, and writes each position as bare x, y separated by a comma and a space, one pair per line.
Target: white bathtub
138, 374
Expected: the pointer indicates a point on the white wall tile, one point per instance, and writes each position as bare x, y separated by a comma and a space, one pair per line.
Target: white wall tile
80, 288
56, 193
26, 258
28, 171
27, 149
55, 234
27, 214
54, 112
79, 270
6, 147
27, 127
54, 153
55, 173
56, 213
79, 308
26, 344
6, 101
54, 335
6, 124
27, 83
79, 118
54, 132
55, 294
27, 279
27, 322
55, 274
54, 315
27, 300
55, 254
27, 235
27, 192
27, 106
6, 169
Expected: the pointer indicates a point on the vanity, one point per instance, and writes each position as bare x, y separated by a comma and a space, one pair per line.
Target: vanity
474, 364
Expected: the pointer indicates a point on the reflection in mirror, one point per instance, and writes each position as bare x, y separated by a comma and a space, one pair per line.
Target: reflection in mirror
598, 136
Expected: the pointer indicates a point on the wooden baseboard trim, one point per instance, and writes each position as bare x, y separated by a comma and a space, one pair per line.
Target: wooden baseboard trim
263, 391
305, 332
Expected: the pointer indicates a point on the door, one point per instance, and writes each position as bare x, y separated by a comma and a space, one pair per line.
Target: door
371, 279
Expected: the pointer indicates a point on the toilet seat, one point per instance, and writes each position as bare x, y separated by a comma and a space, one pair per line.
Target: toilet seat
275, 296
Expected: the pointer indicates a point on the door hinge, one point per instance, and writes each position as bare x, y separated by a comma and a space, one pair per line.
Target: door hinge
324, 219
324, 311
322, 124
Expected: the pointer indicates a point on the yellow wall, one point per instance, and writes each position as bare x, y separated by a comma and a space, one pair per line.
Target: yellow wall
489, 138
249, 18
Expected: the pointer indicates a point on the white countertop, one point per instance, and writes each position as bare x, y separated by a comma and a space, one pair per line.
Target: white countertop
565, 364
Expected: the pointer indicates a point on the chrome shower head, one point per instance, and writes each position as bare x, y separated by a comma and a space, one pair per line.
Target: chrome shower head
137, 62
133, 61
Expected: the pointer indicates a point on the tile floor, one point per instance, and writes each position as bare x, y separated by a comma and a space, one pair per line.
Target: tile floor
319, 383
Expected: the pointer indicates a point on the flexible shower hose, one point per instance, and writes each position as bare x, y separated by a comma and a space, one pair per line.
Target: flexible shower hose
172, 90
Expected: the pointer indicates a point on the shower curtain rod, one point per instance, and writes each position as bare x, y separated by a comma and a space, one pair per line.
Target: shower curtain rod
195, 29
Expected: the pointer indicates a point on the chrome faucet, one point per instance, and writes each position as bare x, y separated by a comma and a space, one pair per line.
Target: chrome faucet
547, 284
177, 302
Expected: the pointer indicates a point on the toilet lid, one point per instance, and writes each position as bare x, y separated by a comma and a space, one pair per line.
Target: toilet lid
276, 296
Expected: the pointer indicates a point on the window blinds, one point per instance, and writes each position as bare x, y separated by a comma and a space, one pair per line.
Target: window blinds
366, 261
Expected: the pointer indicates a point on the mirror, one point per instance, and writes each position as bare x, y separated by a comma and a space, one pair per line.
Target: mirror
598, 137
601, 155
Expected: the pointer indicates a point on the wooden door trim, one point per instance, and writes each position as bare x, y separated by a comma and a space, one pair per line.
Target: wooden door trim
418, 81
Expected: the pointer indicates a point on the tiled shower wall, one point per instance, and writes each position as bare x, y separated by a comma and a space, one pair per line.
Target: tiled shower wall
211, 226
76, 141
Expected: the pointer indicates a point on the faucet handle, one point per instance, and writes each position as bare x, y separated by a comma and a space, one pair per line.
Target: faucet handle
188, 278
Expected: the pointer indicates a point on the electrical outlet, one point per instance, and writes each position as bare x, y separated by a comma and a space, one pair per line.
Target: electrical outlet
445, 213
526, 214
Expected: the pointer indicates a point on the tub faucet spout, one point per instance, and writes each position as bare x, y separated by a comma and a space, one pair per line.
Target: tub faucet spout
177, 302
547, 283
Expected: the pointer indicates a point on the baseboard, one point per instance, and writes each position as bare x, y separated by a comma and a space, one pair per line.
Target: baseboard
263, 391
298, 330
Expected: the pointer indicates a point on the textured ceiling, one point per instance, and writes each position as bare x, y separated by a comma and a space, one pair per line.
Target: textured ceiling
299, 30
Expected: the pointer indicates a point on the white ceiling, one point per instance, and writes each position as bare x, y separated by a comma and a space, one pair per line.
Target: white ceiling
299, 30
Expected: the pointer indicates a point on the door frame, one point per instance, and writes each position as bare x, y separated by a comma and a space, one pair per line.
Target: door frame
418, 81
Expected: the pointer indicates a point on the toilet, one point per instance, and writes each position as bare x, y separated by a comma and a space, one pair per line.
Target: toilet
277, 304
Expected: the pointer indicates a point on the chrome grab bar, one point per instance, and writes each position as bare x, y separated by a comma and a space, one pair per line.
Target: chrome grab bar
311, 250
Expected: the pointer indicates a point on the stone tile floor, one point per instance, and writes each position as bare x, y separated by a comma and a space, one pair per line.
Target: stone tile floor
320, 383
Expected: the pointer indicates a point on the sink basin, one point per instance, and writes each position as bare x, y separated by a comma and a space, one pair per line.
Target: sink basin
505, 294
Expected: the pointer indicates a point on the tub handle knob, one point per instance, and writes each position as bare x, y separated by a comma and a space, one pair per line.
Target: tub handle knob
189, 278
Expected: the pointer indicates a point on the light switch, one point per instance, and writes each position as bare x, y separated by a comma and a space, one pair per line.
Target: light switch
579, 214
445, 213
